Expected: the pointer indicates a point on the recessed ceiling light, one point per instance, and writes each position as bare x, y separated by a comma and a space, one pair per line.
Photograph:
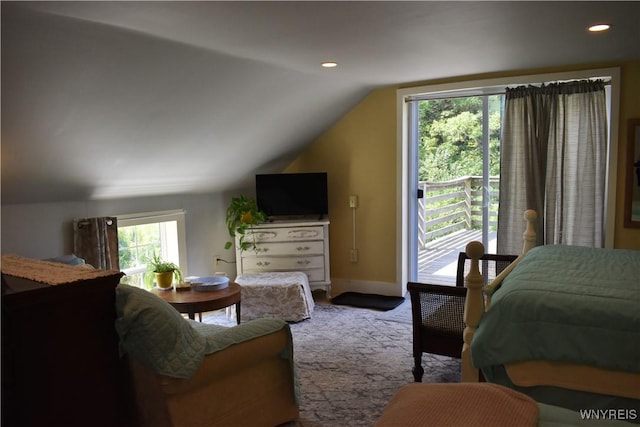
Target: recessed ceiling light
599, 27
329, 64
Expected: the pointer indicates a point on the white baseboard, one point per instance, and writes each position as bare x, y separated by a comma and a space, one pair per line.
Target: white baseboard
339, 286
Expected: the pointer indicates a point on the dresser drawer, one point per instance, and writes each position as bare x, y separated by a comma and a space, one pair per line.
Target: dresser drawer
314, 274
287, 234
315, 247
282, 263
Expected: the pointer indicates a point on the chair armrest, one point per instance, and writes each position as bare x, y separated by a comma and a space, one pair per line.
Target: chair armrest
248, 350
220, 337
437, 308
418, 288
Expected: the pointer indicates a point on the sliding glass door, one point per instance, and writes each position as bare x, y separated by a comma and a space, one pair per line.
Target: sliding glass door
455, 150
440, 141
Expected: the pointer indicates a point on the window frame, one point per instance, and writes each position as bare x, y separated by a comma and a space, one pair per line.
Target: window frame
178, 215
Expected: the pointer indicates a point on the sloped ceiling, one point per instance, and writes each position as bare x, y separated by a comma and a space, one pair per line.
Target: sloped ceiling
125, 99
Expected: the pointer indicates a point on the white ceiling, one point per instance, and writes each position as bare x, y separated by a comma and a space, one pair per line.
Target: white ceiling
123, 99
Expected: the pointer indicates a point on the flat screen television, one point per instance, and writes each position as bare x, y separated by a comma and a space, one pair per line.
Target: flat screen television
292, 194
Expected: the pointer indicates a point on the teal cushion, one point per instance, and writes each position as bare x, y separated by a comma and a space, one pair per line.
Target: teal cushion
156, 335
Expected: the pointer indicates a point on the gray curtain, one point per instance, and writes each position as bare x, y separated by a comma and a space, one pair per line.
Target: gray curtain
553, 160
96, 240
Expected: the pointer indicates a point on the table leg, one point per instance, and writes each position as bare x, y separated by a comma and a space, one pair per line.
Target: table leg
192, 315
238, 313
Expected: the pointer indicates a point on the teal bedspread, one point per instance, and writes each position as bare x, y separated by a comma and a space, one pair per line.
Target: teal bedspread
565, 303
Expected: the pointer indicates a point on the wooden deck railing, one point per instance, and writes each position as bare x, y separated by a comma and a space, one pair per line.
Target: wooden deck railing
454, 205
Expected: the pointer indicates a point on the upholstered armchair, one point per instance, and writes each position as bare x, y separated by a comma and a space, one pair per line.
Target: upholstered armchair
186, 373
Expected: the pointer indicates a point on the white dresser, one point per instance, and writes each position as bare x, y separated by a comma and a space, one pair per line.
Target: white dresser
289, 246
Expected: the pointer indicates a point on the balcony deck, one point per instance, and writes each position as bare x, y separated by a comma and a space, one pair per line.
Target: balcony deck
437, 262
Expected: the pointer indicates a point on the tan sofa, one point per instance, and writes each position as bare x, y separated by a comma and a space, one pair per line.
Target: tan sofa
241, 376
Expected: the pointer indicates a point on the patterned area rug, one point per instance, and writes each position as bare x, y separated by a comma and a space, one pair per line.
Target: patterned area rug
401, 313
350, 362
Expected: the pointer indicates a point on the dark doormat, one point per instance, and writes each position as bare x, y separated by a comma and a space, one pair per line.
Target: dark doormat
376, 302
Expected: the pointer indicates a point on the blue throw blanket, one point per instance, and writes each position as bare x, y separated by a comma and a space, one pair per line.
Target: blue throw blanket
565, 303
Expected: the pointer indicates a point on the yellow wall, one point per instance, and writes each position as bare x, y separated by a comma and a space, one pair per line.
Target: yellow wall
359, 153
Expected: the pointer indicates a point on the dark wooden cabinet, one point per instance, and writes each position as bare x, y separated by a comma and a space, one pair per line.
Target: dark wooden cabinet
60, 358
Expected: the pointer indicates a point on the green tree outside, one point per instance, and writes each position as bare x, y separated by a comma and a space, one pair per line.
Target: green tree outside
136, 246
451, 142
450, 132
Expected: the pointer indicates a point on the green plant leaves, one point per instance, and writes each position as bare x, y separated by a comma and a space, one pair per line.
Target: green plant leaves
242, 213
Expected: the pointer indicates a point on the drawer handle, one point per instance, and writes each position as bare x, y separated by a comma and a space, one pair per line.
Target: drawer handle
262, 250
301, 234
260, 263
264, 235
302, 248
304, 262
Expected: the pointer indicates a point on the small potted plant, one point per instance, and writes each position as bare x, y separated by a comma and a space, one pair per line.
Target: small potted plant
164, 272
242, 213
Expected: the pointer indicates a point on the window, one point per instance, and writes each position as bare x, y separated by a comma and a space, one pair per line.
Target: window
140, 236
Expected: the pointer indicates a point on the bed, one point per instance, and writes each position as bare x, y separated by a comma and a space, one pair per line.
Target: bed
561, 324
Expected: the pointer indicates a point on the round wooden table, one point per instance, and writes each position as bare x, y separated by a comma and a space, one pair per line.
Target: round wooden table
192, 302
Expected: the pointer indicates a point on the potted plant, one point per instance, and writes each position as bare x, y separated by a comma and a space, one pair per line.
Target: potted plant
164, 272
242, 213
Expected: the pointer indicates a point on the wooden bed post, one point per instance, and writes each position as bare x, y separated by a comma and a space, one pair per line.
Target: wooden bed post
475, 304
473, 309
529, 235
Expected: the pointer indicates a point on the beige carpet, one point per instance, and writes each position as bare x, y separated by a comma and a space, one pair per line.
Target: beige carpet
350, 363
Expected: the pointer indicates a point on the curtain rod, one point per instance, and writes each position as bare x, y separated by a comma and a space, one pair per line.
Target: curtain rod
87, 221
151, 215
489, 90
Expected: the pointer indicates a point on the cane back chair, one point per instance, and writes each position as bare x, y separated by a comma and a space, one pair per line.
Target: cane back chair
438, 310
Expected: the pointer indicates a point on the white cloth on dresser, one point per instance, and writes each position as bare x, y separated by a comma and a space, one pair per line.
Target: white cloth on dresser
283, 295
